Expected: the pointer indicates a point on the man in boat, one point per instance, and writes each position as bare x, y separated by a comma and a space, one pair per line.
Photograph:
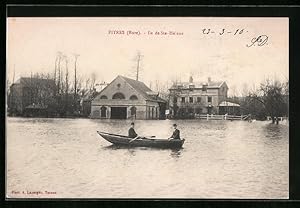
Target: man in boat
131, 131
176, 133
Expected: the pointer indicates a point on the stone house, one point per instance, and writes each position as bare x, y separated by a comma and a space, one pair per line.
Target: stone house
30, 95
125, 98
190, 98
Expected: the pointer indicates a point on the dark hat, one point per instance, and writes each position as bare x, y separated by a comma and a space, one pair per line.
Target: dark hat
132, 123
174, 124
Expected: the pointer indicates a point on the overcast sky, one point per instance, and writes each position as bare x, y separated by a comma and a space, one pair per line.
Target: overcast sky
32, 45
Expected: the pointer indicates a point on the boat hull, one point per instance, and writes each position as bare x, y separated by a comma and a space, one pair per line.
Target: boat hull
121, 140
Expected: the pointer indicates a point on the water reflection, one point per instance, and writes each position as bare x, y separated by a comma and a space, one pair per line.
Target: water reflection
113, 147
131, 151
273, 131
219, 159
176, 153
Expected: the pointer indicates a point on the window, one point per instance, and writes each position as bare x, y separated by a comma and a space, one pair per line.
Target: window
148, 112
103, 97
118, 95
133, 111
152, 115
183, 99
198, 99
103, 112
204, 87
118, 85
175, 100
133, 97
191, 99
209, 99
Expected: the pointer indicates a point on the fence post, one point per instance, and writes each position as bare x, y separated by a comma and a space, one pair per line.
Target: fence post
206, 116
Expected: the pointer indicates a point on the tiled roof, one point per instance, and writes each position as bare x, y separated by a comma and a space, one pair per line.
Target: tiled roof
28, 80
142, 89
90, 95
199, 85
228, 104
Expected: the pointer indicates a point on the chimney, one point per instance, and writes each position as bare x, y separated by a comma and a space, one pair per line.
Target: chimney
191, 79
209, 79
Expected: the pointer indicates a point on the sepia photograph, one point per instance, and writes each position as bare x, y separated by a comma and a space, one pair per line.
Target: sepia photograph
147, 107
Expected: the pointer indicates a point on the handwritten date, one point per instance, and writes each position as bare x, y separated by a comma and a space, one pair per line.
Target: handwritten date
207, 31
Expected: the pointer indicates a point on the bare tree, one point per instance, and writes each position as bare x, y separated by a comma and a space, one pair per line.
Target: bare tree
66, 75
271, 98
138, 59
234, 91
286, 87
93, 81
59, 54
66, 104
55, 68
157, 85
174, 96
87, 83
245, 90
13, 80
8, 90
79, 84
75, 76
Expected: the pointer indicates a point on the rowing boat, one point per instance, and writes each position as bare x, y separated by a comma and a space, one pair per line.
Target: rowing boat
121, 140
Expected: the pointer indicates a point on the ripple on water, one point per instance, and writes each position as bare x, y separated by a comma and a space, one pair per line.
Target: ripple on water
220, 159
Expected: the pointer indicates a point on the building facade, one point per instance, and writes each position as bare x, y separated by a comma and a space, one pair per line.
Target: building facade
29, 95
86, 102
190, 98
229, 108
125, 98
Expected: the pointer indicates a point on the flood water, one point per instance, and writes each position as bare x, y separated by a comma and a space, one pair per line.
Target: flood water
66, 158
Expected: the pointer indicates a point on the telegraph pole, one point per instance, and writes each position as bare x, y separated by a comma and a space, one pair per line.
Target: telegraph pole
138, 67
55, 68
13, 81
59, 73
75, 81
139, 56
67, 75
75, 75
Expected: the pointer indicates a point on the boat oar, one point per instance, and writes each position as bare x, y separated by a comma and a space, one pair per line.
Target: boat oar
139, 137
133, 139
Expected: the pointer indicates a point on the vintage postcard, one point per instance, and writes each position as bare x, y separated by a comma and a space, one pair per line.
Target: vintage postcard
147, 107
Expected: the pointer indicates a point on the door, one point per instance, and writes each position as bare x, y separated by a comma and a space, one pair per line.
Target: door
209, 110
103, 112
118, 112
